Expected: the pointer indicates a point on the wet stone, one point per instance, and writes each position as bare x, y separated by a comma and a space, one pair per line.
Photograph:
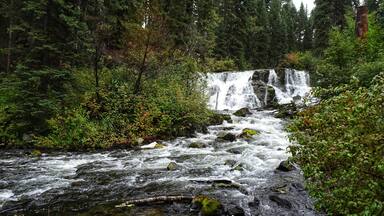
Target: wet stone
286, 166
280, 201
226, 137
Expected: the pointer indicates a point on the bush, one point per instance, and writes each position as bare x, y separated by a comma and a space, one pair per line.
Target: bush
341, 150
72, 130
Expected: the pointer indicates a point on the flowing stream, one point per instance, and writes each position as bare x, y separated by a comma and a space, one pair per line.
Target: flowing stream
241, 174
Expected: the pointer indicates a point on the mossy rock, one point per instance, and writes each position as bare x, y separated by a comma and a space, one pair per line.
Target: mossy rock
218, 119
249, 133
197, 145
36, 153
172, 166
208, 206
243, 112
160, 146
286, 166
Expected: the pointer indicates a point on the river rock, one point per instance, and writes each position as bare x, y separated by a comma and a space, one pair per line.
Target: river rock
218, 119
237, 150
243, 112
236, 211
281, 201
248, 133
286, 166
197, 145
222, 136
286, 110
172, 166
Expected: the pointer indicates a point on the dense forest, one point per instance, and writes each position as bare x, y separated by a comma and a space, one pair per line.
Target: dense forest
82, 75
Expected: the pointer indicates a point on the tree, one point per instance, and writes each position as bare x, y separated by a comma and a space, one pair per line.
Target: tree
327, 14
258, 35
278, 40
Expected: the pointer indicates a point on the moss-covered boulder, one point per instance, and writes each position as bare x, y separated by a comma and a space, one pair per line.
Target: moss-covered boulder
286, 110
243, 112
218, 119
197, 145
172, 166
223, 136
36, 153
208, 206
248, 133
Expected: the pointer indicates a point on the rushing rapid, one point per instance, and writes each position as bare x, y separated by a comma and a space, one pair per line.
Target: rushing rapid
239, 173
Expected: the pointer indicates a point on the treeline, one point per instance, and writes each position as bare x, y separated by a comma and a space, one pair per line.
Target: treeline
67, 62
254, 33
341, 138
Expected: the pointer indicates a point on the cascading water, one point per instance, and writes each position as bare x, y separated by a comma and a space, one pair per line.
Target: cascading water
234, 90
231, 90
241, 174
296, 85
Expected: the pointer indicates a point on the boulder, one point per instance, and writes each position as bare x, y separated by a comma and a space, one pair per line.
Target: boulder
172, 166
280, 201
218, 119
197, 145
248, 133
243, 112
236, 211
226, 137
286, 166
286, 110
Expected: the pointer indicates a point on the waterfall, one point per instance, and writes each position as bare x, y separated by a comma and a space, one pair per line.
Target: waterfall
231, 90
235, 90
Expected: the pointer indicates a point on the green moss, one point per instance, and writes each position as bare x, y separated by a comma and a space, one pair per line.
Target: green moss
36, 153
249, 133
209, 206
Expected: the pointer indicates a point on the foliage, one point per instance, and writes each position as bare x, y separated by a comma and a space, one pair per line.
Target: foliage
341, 151
73, 130
348, 56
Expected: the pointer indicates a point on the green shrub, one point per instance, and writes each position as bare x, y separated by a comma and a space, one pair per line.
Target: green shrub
341, 150
73, 130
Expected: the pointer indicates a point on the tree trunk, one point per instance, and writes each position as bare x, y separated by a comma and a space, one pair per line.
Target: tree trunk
10, 38
143, 66
160, 199
96, 69
362, 22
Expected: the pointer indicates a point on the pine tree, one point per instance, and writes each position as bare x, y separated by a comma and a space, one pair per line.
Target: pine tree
328, 14
289, 18
258, 35
278, 33
231, 33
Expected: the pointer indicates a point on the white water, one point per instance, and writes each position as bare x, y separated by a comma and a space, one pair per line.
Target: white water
145, 170
234, 90
231, 90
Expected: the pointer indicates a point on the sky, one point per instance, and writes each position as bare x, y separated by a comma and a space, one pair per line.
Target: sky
310, 3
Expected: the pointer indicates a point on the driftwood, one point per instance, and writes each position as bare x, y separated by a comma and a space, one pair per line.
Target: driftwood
159, 199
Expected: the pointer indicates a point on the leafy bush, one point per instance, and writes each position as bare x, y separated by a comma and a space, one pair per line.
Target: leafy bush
73, 130
341, 150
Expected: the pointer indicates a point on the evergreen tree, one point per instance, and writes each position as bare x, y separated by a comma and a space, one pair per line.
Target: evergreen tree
278, 33
231, 33
258, 36
290, 20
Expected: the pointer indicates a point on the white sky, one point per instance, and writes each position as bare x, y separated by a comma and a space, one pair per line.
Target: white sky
309, 3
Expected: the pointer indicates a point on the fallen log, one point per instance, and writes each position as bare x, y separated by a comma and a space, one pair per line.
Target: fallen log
159, 199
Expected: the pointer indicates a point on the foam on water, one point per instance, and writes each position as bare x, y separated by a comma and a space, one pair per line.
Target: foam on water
25, 176
231, 90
